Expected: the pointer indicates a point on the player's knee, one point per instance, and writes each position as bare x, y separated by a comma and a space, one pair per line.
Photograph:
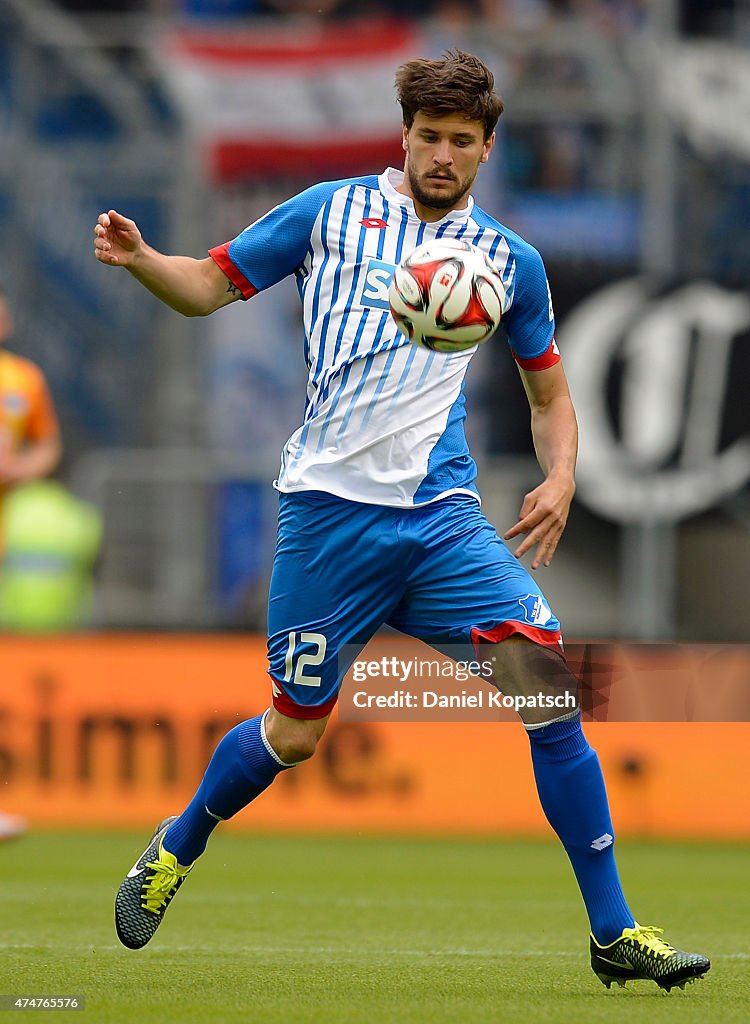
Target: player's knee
543, 688
293, 739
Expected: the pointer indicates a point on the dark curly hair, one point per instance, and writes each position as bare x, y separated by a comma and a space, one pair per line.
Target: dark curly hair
457, 83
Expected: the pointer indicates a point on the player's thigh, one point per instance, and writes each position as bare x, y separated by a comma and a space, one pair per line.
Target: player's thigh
468, 586
472, 599
336, 577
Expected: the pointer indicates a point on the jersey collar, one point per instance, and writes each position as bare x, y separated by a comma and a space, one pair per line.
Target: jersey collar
389, 181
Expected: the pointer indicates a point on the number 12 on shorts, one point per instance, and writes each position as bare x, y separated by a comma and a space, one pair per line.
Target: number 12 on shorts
297, 661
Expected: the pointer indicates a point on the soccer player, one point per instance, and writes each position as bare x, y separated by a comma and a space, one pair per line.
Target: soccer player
30, 447
379, 519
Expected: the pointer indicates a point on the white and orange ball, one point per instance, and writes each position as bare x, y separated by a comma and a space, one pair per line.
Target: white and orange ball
447, 296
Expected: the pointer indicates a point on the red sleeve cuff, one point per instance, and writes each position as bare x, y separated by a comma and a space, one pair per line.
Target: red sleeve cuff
542, 362
220, 255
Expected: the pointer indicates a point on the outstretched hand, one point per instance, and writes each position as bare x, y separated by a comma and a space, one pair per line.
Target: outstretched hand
542, 519
116, 239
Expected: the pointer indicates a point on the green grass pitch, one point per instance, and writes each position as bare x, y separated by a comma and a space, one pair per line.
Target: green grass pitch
364, 930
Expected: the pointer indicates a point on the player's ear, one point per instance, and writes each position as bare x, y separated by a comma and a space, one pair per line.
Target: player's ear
405, 138
489, 143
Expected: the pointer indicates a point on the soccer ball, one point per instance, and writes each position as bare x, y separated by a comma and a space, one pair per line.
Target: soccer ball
446, 296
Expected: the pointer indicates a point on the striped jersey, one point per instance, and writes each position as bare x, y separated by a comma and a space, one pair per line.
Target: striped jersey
383, 419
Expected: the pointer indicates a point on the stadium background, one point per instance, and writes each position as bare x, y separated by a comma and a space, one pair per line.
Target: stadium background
623, 156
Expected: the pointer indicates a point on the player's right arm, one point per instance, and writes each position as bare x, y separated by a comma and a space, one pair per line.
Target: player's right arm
189, 286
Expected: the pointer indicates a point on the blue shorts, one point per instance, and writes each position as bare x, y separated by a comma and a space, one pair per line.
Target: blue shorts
343, 569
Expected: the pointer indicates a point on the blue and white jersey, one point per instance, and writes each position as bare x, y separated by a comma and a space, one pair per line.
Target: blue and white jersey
383, 420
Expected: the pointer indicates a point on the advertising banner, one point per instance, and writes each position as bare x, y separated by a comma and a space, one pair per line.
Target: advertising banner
115, 731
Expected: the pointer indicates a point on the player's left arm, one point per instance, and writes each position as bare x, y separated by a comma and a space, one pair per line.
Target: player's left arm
544, 511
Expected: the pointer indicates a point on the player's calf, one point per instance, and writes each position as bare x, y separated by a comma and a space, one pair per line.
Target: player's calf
244, 764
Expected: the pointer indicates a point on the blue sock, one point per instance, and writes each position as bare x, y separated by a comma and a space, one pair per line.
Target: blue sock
242, 766
573, 796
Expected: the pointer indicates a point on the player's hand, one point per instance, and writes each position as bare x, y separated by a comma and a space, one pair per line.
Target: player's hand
116, 239
542, 519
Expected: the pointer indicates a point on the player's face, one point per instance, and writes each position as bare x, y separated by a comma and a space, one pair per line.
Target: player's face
443, 155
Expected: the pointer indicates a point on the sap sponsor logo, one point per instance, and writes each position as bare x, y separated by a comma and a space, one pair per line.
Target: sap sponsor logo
376, 282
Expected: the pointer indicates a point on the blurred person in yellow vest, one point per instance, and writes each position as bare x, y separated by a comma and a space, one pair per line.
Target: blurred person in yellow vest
52, 539
48, 538
30, 446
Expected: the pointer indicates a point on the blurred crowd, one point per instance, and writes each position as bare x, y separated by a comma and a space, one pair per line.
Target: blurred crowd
517, 14
710, 17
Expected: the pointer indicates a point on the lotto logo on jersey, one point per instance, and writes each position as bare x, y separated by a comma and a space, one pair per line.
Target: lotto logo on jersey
377, 280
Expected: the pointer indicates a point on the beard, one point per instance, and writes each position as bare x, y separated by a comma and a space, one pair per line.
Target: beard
433, 200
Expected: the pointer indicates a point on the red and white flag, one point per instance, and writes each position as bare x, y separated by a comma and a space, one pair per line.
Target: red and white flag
282, 99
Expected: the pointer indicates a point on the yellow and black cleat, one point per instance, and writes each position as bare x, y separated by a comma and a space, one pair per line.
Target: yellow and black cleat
641, 955
147, 890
